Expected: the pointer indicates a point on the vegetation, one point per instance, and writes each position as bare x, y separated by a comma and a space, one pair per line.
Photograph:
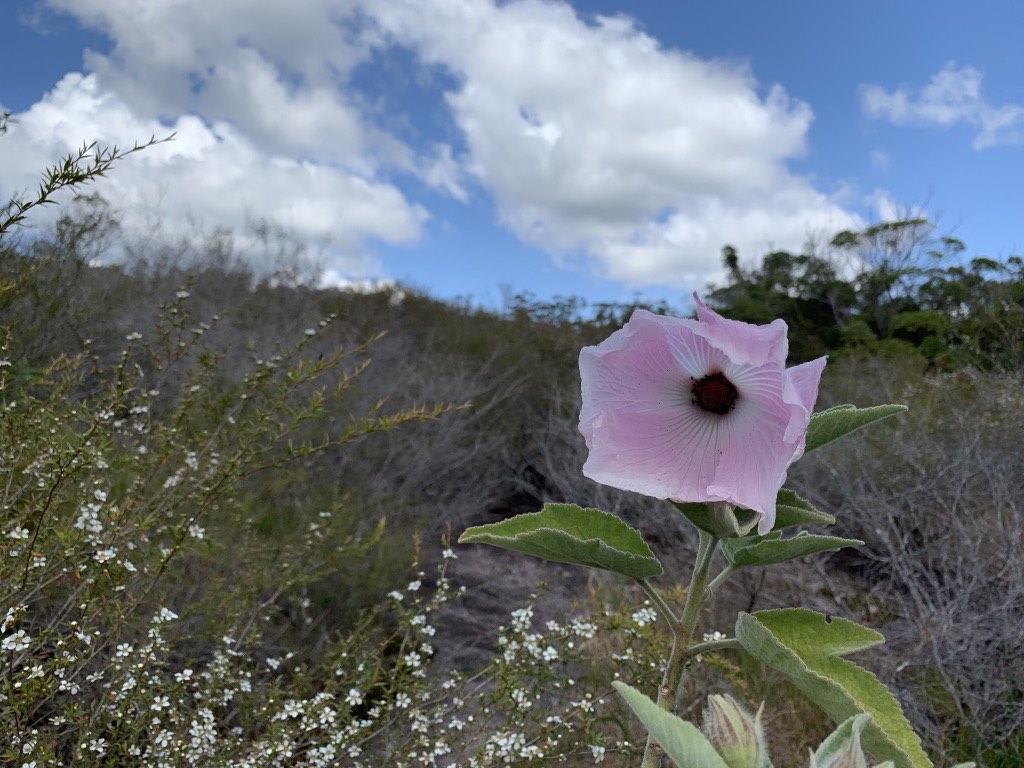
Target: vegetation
225, 499
893, 288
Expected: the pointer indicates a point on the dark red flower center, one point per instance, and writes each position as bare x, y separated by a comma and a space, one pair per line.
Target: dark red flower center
714, 393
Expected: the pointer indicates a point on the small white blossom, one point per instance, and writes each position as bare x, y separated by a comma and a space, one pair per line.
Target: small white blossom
412, 659
164, 615
19, 641
160, 703
644, 616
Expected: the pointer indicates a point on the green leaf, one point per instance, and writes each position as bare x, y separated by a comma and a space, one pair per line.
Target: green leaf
807, 647
682, 741
571, 534
772, 548
837, 421
791, 510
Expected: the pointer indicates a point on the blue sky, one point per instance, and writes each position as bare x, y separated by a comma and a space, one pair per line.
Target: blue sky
598, 148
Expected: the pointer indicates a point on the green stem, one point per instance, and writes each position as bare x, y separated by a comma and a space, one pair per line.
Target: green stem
682, 631
659, 603
720, 579
729, 643
698, 583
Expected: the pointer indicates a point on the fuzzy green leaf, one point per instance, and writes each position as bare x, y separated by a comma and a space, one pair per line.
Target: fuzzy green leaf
681, 740
772, 548
828, 425
571, 534
807, 647
791, 510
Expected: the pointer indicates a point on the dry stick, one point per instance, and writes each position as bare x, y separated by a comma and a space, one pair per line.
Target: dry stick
682, 632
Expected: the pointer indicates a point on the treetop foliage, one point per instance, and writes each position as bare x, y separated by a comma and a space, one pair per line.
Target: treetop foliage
892, 288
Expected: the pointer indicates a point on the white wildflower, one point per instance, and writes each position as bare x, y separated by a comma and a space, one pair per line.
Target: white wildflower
644, 616
19, 641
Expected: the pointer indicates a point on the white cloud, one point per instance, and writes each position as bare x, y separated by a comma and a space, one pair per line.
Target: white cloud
211, 173
267, 126
594, 139
952, 96
880, 159
596, 143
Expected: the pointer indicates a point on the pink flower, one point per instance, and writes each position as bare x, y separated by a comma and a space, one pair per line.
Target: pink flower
696, 410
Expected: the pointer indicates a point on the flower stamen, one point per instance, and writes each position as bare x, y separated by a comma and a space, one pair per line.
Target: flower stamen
714, 393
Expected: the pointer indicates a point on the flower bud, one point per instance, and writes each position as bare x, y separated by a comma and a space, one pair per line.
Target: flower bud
842, 749
719, 518
848, 755
738, 737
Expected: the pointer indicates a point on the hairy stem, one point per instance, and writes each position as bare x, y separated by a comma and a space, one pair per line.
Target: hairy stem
729, 643
682, 631
720, 579
659, 603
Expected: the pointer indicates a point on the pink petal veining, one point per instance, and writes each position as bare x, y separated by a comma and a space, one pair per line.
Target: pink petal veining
645, 434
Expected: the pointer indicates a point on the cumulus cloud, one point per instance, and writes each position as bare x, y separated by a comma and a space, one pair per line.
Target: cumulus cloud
594, 139
211, 173
270, 68
953, 95
266, 127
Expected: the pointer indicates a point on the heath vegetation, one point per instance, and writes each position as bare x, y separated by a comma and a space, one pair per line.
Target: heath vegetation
230, 499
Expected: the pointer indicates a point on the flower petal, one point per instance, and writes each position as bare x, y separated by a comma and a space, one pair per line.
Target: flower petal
632, 371
800, 388
744, 343
647, 453
754, 455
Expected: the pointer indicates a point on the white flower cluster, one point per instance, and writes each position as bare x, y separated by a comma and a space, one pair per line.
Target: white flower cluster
644, 616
